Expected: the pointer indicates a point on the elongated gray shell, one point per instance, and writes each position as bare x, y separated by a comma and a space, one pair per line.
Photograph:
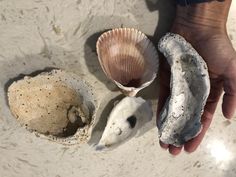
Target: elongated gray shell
180, 119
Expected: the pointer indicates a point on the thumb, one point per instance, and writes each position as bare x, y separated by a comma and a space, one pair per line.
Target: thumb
164, 83
229, 99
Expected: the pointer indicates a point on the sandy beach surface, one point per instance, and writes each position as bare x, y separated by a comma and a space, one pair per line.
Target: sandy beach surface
39, 34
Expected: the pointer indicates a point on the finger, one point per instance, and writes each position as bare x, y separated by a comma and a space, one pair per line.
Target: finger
164, 90
164, 146
163, 95
164, 84
209, 110
175, 150
229, 99
228, 106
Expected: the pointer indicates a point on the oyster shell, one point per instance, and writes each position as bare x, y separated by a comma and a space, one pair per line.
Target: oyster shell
128, 58
55, 103
125, 119
180, 119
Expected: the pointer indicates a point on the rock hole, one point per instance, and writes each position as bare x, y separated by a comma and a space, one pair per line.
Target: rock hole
132, 120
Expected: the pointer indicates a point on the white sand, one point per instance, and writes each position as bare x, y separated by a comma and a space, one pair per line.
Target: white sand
35, 34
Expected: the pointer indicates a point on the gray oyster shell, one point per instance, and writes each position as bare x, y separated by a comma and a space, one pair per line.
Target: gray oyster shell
180, 119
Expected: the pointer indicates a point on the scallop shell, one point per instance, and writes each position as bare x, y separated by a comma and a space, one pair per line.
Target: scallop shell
128, 58
180, 119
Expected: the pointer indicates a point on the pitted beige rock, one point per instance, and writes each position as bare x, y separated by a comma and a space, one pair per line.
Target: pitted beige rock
51, 103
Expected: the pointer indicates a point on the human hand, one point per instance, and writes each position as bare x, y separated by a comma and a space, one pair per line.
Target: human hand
205, 29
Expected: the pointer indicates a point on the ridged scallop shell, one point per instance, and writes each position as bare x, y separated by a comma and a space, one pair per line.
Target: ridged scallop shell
128, 58
180, 118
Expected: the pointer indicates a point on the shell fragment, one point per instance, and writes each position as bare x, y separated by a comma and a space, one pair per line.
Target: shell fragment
180, 119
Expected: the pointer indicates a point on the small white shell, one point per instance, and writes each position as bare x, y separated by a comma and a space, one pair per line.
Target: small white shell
128, 58
180, 119
126, 118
